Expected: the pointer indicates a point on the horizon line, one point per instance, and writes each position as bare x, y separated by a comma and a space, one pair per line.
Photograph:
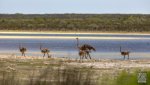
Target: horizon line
78, 13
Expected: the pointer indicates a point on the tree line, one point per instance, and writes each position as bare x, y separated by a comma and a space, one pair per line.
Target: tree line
76, 22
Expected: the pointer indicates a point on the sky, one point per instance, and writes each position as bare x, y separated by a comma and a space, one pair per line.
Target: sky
75, 6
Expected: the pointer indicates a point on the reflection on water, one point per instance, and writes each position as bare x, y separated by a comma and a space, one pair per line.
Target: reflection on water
105, 48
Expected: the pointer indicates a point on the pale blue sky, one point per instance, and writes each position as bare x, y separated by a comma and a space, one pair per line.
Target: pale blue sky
75, 6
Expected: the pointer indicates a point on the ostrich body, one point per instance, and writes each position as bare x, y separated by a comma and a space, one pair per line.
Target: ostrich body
85, 50
124, 53
45, 51
22, 50
82, 54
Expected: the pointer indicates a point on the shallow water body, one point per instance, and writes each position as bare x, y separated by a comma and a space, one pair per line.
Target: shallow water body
106, 48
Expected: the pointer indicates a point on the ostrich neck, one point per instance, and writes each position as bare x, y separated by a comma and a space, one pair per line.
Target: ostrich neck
77, 43
40, 47
120, 49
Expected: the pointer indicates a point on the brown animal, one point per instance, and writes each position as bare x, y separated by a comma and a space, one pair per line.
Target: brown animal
82, 54
124, 53
22, 50
45, 51
85, 50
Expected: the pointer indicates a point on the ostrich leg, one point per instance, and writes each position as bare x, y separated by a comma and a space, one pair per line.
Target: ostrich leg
24, 55
48, 55
80, 59
124, 57
89, 56
128, 56
85, 56
44, 55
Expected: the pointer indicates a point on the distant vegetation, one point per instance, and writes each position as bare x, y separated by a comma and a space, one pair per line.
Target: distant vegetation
76, 22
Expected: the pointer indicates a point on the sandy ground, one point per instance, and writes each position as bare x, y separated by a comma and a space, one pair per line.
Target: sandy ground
70, 32
67, 37
70, 37
101, 63
24, 66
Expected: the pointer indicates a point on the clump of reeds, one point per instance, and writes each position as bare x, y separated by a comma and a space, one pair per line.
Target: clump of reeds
125, 78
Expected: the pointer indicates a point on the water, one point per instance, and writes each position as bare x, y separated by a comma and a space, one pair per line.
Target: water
106, 48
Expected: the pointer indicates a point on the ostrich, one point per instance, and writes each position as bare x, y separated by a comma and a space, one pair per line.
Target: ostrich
124, 53
45, 51
82, 54
22, 50
85, 49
